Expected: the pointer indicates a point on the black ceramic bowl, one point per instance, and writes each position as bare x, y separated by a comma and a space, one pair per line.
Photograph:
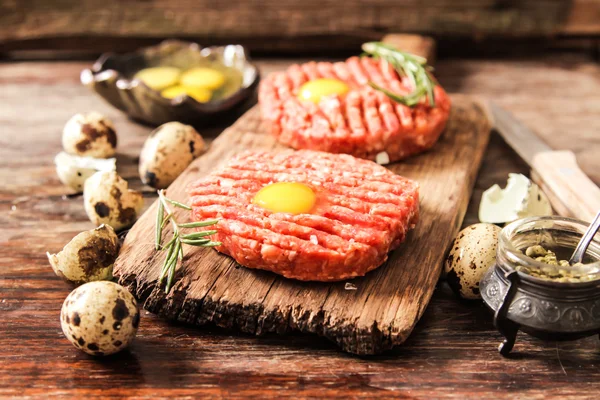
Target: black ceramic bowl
112, 77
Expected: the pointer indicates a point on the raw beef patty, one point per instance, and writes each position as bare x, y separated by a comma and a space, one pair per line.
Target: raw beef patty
362, 211
364, 122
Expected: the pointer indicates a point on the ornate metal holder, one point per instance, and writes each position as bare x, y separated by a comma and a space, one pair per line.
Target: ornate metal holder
553, 314
542, 308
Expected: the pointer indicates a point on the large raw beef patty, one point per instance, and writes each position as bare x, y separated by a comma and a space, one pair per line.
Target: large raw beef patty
362, 211
364, 122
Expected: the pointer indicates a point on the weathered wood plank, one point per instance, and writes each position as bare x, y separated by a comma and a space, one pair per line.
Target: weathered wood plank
583, 19
451, 354
209, 20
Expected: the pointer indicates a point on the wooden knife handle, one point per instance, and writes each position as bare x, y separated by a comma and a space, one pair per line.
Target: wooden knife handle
570, 191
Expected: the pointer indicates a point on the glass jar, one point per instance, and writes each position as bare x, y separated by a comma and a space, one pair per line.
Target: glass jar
540, 306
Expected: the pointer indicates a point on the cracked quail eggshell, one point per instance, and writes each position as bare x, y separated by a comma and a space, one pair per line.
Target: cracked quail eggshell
167, 152
100, 318
519, 199
473, 252
74, 170
88, 257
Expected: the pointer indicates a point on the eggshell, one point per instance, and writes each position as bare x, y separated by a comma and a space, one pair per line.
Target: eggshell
73, 170
472, 253
89, 256
108, 200
167, 152
90, 135
519, 199
100, 318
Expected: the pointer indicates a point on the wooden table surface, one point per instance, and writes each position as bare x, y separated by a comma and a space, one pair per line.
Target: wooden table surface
451, 353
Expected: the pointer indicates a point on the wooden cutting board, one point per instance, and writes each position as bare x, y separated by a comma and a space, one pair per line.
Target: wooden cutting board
377, 313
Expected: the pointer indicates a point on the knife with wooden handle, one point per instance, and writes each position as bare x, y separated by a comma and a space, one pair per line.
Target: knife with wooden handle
570, 191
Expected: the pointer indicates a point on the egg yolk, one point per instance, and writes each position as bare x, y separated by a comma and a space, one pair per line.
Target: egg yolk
206, 78
197, 93
286, 197
158, 78
316, 89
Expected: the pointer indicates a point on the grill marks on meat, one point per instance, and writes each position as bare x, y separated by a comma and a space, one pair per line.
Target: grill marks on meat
362, 212
363, 123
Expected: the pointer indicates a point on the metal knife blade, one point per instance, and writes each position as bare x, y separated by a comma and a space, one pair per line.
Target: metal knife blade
524, 141
569, 190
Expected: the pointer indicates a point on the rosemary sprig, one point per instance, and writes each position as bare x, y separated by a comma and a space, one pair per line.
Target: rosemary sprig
178, 204
159, 224
414, 67
174, 247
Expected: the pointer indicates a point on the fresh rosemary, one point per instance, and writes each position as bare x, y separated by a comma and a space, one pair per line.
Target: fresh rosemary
415, 68
174, 247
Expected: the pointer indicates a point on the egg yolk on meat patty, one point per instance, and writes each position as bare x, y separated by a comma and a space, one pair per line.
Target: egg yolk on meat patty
286, 197
316, 89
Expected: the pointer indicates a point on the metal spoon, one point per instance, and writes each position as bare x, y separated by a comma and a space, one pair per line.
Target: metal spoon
583, 244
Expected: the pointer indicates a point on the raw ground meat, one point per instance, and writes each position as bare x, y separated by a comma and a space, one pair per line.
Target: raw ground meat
364, 122
362, 212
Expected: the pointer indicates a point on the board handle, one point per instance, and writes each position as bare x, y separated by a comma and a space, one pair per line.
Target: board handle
423, 46
569, 190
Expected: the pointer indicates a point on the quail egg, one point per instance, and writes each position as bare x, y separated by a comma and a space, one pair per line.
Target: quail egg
100, 318
74, 170
472, 253
89, 135
108, 200
169, 149
89, 256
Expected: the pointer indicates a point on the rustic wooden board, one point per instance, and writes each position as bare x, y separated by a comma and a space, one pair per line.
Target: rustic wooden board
387, 303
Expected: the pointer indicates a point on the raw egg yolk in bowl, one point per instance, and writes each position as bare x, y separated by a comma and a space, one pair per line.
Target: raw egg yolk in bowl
159, 78
286, 197
316, 89
206, 78
197, 93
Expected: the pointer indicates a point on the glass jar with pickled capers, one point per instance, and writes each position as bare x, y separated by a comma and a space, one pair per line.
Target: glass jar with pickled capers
541, 248
555, 270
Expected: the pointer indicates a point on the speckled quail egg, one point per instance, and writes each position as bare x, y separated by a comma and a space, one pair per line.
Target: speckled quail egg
100, 318
74, 170
88, 257
169, 149
89, 135
472, 253
108, 200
